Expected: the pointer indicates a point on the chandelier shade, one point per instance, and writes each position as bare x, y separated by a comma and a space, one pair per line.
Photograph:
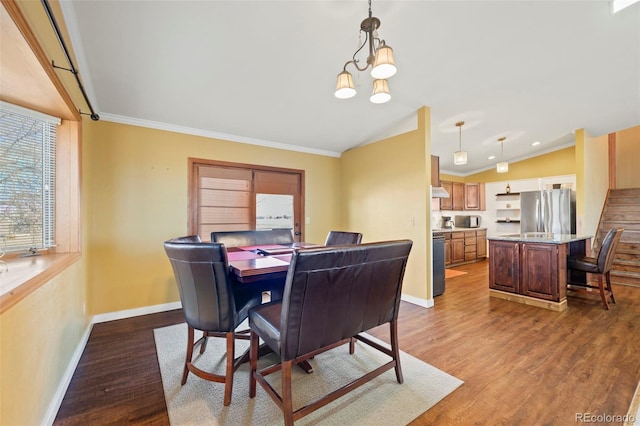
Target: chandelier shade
379, 58
380, 93
345, 88
383, 65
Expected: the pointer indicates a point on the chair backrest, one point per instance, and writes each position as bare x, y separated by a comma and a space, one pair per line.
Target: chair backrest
334, 293
201, 272
335, 238
608, 249
253, 237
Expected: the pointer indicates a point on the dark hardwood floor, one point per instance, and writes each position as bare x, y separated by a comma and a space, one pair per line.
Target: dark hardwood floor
521, 364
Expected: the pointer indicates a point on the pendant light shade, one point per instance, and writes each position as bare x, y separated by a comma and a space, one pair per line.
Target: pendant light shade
345, 88
380, 93
460, 156
383, 66
502, 166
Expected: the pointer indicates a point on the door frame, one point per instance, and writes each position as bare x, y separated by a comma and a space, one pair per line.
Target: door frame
192, 189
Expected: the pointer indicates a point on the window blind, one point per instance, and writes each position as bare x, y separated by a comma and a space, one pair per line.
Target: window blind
27, 178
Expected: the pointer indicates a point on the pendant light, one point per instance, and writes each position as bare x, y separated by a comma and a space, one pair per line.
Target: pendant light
502, 166
460, 156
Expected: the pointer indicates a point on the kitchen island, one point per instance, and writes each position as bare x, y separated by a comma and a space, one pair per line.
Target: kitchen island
531, 268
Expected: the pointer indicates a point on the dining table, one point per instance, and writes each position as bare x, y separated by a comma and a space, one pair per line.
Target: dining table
251, 264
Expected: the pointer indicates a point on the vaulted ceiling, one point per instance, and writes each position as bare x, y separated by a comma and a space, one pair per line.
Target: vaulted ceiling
265, 71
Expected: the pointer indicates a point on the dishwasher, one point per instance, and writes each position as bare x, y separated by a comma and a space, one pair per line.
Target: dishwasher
438, 264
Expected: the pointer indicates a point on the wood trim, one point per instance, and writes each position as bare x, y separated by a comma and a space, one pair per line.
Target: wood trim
41, 269
192, 187
531, 301
612, 160
22, 24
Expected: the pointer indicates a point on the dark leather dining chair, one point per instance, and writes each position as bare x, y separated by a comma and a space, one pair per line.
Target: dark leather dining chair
599, 265
331, 295
210, 302
253, 237
335, 238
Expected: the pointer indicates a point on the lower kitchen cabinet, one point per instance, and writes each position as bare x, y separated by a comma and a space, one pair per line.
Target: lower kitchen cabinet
464, 246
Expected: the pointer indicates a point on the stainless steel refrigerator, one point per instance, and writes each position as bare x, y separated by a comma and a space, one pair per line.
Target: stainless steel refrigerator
551, 211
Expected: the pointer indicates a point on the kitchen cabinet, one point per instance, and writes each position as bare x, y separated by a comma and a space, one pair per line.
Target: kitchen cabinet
457, 247
532, 270
463, 196
474, 196
435, 170
481, 243
464, 246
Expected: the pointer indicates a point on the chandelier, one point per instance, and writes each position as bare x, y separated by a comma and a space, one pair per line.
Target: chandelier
460, 156
380, 58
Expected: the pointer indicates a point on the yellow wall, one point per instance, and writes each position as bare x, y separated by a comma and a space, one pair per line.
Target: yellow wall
557, 163
592, 180
384, 195
38, 337
628, 158
138, 184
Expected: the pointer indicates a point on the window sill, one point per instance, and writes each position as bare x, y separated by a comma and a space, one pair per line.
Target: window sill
27, 274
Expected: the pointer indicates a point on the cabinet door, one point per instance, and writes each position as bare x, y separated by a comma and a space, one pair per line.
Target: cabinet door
447, 252
457, 195
435, 170
504, 266
457, 247
474, 196
540, 270
446, 203
481, 244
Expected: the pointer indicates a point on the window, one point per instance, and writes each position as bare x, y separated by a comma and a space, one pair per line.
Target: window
27, 179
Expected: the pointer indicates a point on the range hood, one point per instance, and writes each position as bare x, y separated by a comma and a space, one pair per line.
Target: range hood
439, 192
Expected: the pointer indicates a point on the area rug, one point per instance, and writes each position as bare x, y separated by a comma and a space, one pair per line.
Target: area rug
450, 273
381, 401
633, 416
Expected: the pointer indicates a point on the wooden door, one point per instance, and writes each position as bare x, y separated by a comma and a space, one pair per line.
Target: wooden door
446, 203
457, 195
474, 196
457, 247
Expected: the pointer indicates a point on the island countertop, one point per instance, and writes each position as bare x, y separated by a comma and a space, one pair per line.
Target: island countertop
541, 237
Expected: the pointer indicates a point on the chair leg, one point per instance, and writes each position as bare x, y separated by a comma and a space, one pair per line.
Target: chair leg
352, 345
609, 288
395, 349
603, 296
205, 339
189, 354
287, 400
253, 362
228, 383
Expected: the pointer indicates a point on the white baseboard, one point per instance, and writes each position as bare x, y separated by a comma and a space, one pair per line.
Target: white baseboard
56, 401
54, 406
425, 303
111, 316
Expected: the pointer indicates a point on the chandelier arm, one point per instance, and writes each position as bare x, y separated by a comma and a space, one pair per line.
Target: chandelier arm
355, 61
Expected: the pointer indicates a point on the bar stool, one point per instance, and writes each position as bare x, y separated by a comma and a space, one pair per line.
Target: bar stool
600, 265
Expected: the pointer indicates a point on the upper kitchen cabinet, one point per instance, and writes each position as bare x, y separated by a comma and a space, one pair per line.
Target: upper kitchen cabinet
435, 170
463, 196
474, 196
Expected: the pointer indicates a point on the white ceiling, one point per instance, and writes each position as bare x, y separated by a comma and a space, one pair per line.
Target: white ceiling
265, 71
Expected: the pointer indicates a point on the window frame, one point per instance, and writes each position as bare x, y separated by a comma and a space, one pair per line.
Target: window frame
46, 93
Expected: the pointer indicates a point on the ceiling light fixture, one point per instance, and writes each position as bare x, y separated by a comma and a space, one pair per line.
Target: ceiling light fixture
618, 5
502, 166
460, 156
380, 58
